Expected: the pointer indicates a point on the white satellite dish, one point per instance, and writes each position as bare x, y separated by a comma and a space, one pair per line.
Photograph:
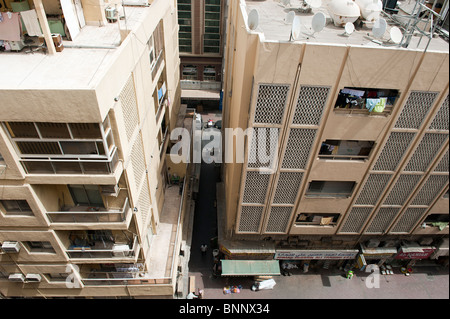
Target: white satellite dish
253, 19
296, 28
396, 35
314, 3
290, 17
319, 21
379, 28
349, 28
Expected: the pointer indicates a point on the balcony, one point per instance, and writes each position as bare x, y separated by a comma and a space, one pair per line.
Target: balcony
112, 246
101, 217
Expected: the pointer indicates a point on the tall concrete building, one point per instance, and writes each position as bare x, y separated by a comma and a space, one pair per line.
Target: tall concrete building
201, 43
85, 210
348, 181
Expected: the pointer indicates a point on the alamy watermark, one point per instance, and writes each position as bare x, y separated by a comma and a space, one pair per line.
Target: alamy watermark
207, 146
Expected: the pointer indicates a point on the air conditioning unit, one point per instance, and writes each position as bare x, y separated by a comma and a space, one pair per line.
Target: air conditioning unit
33, 278
11, 247
110, 190
16, 278
372, 243
121, 250
111, 14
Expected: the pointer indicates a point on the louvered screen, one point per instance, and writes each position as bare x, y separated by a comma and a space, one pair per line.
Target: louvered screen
443, 164
393, 151
356, 219
372, 189
402, 189
310, 105
271, 103
256, 185
287, 187
416, 109
137, 159
426, 152
263, 147
278, 219
298, 148
250, 219
440, 121
430, 190
144, 202
408, 220
129, 107
384, 217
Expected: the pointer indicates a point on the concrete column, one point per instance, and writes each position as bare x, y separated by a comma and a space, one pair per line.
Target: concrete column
44, 26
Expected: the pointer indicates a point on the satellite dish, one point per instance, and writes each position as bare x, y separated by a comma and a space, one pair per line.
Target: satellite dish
349, 28
253, 19
290, 17
379, 28
319, 21
296, 28
314, 3
396, 35
286, 2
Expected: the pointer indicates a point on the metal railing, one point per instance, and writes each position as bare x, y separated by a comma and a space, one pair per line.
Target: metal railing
90, 215
87, 252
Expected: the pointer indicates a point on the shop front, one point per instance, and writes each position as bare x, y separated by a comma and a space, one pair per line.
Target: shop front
441, 254
305, 259
378, 255
235, 250
411, 253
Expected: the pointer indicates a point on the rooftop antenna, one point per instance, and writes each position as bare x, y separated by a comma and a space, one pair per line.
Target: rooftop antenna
289, 17
253, 19
396, 35
379, 28
296, 29
319, 21
348, 29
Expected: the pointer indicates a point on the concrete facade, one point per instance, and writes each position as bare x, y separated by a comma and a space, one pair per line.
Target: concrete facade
294, 87
114, 88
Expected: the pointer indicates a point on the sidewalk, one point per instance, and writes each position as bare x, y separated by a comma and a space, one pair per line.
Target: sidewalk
425, 283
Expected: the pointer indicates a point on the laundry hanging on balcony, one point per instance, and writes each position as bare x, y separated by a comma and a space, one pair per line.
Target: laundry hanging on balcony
376, 105
10, 26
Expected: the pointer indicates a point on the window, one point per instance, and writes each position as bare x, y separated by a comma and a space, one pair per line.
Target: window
345, 150
321, 219
86, 195
436, 218
64, 148
15, 207
211, 38
39, 247
209, 73
330, 189
189, 73
366, 101
57, 277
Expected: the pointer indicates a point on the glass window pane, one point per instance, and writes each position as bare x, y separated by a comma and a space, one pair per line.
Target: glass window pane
53, 130
79, 148
22, 129
86, 130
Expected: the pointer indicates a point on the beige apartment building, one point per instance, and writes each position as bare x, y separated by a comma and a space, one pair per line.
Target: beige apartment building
349, 181
85, 207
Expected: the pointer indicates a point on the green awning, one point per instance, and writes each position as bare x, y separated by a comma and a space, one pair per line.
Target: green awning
250, 268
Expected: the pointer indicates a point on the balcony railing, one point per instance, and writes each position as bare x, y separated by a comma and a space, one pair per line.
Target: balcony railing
102, 250
122, 279
71, 166
88, 214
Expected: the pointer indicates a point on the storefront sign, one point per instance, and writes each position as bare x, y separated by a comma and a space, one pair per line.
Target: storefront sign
315, 254
378, 252
415, 253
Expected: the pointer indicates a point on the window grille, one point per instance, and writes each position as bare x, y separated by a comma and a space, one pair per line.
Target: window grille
250, 219
440, 121
129, 107
288, 187
393, 151
416, 109
271, 103
426, 152
356, 219
310, 105
383, 219
408, 220
402, 189
278, 219
298, 148
256, 185
431, 189
373, 188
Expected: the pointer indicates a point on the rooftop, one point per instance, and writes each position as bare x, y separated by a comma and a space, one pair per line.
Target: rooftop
272, 23
80, 65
